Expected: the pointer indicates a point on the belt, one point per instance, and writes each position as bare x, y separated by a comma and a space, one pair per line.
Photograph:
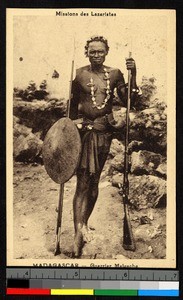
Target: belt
99, 124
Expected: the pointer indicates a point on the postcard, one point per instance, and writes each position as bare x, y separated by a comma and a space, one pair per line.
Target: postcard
64, 177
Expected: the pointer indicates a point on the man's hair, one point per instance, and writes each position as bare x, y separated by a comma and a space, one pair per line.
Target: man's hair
96, 38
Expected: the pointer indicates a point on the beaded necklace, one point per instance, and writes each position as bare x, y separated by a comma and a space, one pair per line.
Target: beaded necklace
93, 97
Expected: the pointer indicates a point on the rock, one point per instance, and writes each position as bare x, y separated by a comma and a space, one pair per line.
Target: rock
150, 126
117, 179
144, 191
142, 233
150, 215
25, 238
26, 146
21, 130
39, 115
119, 118
117, 163
159, 247
160, 201
157, 230
150, 249
145, 220
24, 225
15, 120
116, 148
162, 170
119, 256
148, 90
147, 191
145, 162
117, 154
135, 146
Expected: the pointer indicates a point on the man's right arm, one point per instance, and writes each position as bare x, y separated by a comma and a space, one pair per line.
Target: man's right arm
74, 101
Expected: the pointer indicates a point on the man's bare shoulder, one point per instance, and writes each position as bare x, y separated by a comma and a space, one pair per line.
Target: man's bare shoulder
111, 69
115, 72
81, 69
87, 68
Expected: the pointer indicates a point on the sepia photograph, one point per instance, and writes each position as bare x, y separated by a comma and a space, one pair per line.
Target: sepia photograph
91, 138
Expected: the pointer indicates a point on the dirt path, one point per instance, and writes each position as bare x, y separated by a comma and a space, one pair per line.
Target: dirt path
35, 203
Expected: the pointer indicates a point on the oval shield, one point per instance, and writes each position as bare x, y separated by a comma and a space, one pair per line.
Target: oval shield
61, 150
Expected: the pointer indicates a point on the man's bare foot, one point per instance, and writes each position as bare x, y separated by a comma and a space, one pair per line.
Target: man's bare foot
87, 234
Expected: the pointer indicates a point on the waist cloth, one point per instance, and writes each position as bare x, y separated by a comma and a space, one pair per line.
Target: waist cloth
96, 140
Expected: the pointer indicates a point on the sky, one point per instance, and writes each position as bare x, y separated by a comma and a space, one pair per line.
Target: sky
45, 42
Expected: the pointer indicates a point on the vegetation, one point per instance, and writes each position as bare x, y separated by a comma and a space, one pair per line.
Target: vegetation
32, 92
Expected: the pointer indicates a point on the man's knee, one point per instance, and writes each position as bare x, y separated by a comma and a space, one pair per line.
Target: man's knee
83, 181
94, 187
94, 194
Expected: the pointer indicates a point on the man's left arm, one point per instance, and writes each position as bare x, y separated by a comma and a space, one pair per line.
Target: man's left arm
130, 65
122, 88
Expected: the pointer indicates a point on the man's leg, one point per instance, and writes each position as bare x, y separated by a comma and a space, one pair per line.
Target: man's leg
93, 188
84, 202
80, 206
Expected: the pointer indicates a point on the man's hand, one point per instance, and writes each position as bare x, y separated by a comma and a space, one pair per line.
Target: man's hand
130, 65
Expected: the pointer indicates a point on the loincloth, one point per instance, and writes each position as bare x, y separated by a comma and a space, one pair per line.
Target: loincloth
96, 141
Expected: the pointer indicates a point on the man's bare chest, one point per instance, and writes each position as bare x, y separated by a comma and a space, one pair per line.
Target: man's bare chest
96, 82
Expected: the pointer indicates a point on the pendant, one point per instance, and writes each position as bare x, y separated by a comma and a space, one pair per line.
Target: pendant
107, 88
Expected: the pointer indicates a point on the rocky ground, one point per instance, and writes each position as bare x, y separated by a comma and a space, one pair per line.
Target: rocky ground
35, 203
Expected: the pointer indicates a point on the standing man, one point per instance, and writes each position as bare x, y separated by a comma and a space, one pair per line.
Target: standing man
92, 101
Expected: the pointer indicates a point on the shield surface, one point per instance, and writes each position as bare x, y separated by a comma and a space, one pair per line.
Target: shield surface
61, 150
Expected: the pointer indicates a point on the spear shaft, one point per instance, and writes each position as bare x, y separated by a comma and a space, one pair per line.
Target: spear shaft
61, 193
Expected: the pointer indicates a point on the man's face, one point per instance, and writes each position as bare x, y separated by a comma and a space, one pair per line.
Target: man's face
97, 53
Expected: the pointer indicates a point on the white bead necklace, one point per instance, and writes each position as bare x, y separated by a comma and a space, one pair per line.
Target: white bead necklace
93, 97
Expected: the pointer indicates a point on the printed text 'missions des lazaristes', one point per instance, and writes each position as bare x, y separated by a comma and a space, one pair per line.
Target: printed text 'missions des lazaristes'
61, 13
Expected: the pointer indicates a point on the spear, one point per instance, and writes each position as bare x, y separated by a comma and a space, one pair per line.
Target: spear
61, 193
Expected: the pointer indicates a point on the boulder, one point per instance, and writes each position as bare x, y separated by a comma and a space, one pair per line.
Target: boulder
117, 147
144, 191
26, 145
117, 163
150, 126
39, 115
148, 90
135, 146
15, 120
117, 179
20, 129
116, 155
161, 170
146, 162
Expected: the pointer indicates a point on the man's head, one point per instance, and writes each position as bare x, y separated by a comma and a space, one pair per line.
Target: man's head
96, 50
